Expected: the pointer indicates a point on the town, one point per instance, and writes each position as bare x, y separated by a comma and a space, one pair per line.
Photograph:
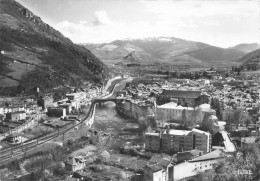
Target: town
187, 126
129, 90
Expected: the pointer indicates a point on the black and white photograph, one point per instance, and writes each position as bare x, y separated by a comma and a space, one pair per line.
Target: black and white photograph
129, 90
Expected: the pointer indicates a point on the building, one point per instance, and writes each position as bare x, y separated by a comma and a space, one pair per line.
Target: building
165, 169
198, 164
76, 96
246, 141
170, 111
2, 111
15, 108
16, 116
75, 163
201, 140
56, 112
158, 170
46, 102
135, 108
184, 97
187, 155
174, 141
14, 138
152, 142
67, 107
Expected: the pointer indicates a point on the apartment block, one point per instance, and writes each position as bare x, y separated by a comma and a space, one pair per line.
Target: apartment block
152, 141
178, 140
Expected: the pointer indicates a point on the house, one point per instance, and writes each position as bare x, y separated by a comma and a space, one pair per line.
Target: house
16, 116
75, 163
6, 126
159, 170
16, 108
245, 141
14, 138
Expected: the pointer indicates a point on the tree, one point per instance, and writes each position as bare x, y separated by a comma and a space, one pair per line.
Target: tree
184, 117
247, 159
206, 124
152, 121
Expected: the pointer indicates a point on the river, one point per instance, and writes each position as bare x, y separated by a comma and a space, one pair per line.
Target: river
123, 129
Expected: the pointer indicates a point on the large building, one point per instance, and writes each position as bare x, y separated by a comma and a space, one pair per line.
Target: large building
136, 108
165, 169
185, 97
170, 111
179, 140
152, 142
201, 140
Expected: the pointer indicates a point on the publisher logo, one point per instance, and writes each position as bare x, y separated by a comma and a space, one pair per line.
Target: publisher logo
244, 172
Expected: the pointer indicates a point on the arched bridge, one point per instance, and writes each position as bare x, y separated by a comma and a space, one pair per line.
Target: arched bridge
104, 100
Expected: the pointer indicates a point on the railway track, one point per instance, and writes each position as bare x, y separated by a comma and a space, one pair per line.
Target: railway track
9, 154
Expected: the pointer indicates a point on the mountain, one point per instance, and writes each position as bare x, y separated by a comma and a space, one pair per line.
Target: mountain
252, 58
35, 54
246, 47
165, 50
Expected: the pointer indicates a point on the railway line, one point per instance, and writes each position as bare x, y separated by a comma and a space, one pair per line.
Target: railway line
14, 152
19, 150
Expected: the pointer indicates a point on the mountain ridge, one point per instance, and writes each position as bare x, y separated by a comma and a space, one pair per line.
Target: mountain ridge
167, 50
35, 54
246, 47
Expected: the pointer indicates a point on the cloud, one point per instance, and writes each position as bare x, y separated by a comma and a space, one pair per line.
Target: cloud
101, 18
216, 22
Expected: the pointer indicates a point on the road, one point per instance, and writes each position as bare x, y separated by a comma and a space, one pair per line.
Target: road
229, 145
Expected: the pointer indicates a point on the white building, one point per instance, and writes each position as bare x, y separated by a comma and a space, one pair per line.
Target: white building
171, 111
199, 164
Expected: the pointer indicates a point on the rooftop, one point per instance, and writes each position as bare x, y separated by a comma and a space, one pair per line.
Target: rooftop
199, 131
178, 132
210, 156
181, 93
153, 134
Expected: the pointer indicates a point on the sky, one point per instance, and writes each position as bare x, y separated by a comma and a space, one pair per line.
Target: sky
219, 23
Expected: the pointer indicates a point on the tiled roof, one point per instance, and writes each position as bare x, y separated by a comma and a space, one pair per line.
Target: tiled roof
181, 93
164, 162
195, 152
155, 167
210, 156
